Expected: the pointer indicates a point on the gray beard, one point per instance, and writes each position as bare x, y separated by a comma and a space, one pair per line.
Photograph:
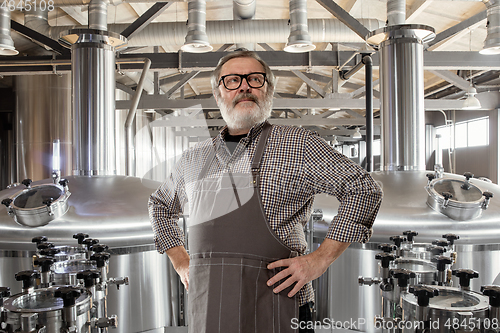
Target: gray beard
237, 121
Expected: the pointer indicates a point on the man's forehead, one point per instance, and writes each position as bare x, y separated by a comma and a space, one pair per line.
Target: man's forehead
242, 65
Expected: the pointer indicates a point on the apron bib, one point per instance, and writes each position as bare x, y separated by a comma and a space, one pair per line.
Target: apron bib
230, 244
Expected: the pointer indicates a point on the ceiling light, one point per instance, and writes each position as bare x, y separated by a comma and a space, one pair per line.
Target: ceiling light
196, 38
357, 134
299, 39
492, 41
471, 102
6, 43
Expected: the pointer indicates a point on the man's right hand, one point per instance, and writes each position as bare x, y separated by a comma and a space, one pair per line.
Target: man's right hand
180, 260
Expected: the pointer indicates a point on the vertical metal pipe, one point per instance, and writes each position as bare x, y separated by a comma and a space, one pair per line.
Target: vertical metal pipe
6, 43
367, 60
93, 69
98, 15
396, 12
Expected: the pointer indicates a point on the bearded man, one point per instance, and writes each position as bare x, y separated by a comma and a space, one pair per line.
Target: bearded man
249, 193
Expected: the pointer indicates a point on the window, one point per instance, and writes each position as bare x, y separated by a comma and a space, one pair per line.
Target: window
470, 133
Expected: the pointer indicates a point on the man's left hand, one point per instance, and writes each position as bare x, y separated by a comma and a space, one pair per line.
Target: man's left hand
301, 270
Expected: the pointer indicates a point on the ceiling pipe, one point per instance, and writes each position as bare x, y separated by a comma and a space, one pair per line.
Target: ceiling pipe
196, 37
98, 15
299, 40
244, 10
396, 12
492, 41
6, 43
367, 60
232, 32
129, 142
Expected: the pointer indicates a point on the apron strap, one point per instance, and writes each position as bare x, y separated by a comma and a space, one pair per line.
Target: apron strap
259, 152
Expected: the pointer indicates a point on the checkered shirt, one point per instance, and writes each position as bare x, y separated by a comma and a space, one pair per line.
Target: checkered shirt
297, 164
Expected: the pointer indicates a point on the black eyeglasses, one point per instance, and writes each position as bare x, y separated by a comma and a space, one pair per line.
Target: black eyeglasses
233, 81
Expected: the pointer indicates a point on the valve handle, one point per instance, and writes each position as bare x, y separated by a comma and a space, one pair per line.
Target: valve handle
6, 202
430, 176
27, 182
387, 247
97, 248
63, 182
39, 239
45, 245
436, 250
439, 242
451, 238
80, 237
410, 234
423, 294
89, 242
465, 275
488, 195
48, 202
398, 240
447, 195
441, 261
28, 278
4, 292
493, 292
468, 175
69, 294
89, 277
45, 263
100, 258
50, 252
403, 275
385, 258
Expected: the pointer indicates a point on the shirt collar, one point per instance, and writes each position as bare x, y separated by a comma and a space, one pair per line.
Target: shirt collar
252, 134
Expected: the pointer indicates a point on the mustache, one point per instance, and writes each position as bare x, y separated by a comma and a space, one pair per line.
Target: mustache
243, 96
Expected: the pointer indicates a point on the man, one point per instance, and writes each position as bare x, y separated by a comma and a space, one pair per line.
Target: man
250, 192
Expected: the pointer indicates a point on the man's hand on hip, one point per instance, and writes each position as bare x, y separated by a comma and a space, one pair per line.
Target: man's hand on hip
301, 270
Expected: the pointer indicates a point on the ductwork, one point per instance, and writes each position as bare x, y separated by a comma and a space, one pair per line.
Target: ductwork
231, 32
402, 95
6, 43
492, 41
196, 37
299, 39
244, 9
98, 15
396, 12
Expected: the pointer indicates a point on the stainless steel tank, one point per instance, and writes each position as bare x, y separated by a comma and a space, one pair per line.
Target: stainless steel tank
112, 209
404, 207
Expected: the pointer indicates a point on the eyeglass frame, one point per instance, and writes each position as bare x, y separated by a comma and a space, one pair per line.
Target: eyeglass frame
242, 76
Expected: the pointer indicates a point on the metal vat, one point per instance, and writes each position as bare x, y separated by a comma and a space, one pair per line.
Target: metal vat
112, 209
404, 207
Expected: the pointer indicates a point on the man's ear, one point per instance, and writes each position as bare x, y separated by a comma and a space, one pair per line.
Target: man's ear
215, 96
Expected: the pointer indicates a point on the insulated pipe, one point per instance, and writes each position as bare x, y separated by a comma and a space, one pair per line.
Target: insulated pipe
98, 15
6, 42
232, 32
492, 41
396, 12
244, 9
367, 60
129, 142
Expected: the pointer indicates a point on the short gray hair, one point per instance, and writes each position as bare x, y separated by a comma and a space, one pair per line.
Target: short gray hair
242, 53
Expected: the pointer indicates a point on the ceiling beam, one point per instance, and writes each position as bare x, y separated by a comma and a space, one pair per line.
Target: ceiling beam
309, 82
39, 38
452, 78
416, 9
345, 17
185, 79
457, 30
145, 19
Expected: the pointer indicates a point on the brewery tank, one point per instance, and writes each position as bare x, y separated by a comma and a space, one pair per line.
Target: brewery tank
404, 207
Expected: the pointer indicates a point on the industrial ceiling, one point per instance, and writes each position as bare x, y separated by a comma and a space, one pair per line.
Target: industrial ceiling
308, 83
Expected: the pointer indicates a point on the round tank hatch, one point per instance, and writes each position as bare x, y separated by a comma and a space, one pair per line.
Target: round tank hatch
38, 205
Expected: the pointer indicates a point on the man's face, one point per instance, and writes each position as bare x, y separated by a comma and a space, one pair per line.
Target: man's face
246, 106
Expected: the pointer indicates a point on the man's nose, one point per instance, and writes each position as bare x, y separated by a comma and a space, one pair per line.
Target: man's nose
244, 85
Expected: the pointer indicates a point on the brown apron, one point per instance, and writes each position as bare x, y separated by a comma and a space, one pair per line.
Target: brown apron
229, 254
